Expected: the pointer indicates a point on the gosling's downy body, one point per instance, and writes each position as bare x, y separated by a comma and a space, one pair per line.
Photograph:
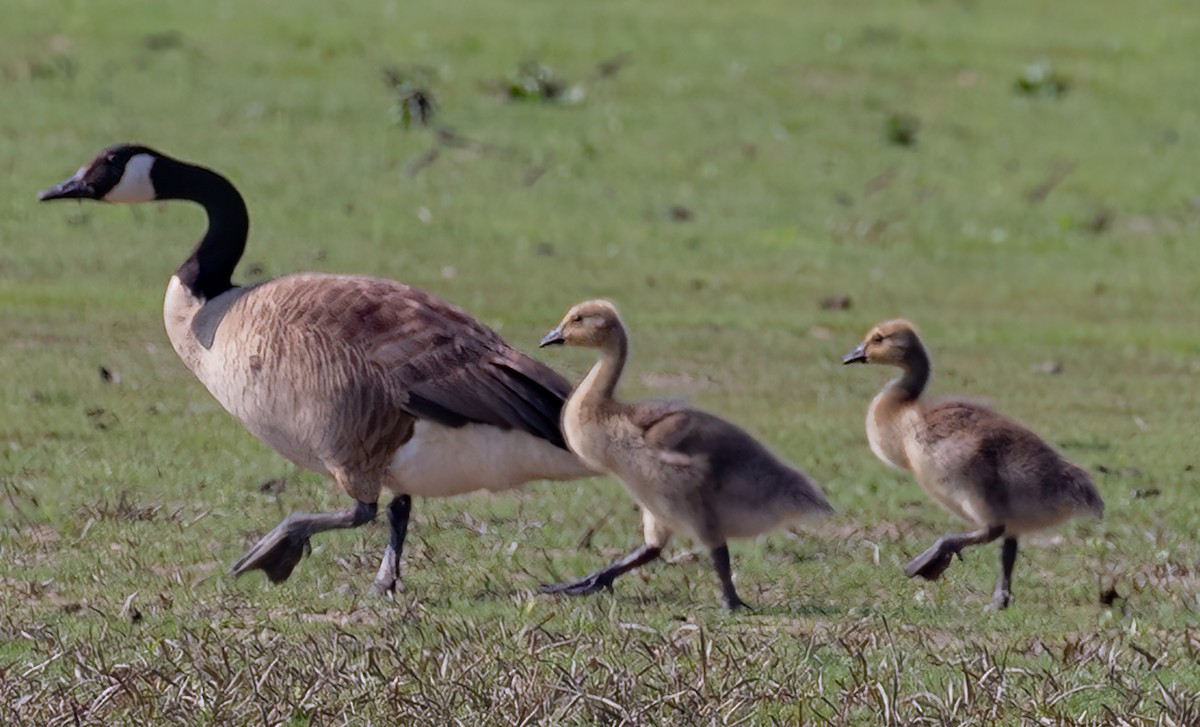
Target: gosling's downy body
975, 462
372, 382
689, 470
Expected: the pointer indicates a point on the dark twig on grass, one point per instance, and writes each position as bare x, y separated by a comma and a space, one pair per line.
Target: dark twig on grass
422, 160
1151, 659
879, 182
10, 493
610, 67
446, 138
585, 541
1061, 171
537, 171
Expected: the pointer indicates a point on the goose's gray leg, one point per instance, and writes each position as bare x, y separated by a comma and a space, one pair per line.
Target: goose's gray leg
931, 564
720, 559
1008, 556
389, 567
279, 552
604, 577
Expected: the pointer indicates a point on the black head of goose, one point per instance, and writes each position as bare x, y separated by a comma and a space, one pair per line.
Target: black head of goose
370, 381
688, 469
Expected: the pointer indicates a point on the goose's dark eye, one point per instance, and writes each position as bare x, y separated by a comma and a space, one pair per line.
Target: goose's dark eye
577, 318
877, 338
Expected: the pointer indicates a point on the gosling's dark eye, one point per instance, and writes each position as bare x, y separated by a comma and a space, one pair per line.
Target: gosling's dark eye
577, 318
877, 338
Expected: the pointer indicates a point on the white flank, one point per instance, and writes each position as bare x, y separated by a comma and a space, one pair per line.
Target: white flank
440, 461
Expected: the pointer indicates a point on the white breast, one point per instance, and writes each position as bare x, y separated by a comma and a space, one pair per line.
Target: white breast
179, 309
219, 364
216, 363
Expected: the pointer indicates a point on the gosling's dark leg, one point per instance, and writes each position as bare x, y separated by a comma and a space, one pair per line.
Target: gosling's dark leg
720, 559
931, 564
279, 552
389, 567
604, 577
1008, 556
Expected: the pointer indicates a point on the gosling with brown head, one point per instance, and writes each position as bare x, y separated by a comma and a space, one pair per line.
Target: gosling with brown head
689, 470
979, 464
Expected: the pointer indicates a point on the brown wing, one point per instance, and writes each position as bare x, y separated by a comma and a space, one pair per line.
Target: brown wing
434, 360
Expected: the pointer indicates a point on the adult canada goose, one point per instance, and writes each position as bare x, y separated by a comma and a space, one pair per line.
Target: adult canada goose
687, 469
372, 382
980, 465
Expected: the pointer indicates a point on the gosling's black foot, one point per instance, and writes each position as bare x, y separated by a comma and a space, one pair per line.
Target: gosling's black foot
597, 581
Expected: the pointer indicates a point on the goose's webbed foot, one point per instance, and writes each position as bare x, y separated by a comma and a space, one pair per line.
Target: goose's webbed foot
278, 553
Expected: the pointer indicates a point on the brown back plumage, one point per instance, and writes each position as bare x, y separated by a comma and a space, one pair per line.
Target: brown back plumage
426, 356
682, 464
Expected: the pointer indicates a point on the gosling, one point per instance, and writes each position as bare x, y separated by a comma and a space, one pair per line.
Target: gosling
688, 470
977, 463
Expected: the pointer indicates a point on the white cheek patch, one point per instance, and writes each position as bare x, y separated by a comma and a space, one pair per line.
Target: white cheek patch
135, 184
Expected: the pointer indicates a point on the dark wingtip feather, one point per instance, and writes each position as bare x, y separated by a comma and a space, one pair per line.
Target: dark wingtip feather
511, 391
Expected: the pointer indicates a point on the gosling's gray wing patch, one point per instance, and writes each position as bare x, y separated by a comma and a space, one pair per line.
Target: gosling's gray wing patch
665, 426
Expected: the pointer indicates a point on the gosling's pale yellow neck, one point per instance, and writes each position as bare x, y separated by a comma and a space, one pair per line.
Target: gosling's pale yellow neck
893, 415
600, 386
592, 404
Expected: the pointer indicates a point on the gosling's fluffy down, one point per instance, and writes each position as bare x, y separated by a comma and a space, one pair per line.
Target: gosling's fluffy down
689, 470
984, 467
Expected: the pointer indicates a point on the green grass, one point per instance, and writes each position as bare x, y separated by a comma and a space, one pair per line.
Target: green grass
1016, 230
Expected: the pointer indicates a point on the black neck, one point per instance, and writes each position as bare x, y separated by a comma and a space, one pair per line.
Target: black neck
209, 270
